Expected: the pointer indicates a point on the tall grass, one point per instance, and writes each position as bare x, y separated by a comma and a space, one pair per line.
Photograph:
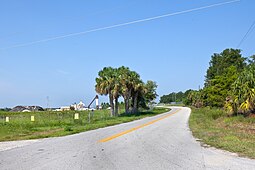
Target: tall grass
50, 124
216, 128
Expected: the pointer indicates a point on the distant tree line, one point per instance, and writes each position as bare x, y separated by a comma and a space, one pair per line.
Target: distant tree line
178, 97
122, 82
229, 83
5, 109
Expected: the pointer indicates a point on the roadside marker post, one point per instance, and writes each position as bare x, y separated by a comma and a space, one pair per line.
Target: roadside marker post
89, 116
76, 116
32, 118
7, 119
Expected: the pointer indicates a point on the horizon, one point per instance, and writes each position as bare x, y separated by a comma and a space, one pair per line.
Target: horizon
173, 51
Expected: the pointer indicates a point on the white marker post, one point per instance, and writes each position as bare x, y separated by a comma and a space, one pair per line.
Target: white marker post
76, 116
32, 118
7, 119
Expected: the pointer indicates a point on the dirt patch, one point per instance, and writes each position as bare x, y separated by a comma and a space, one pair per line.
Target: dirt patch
48, 132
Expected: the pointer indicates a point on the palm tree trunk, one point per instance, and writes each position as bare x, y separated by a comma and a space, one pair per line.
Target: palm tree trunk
116, 107
135, 103
126, 97
126, 100
111, 104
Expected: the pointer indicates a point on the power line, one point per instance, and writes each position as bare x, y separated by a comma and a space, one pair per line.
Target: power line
122, 24
246, 34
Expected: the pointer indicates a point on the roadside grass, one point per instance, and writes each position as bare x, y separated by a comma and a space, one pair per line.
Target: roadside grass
54, 124
215, 128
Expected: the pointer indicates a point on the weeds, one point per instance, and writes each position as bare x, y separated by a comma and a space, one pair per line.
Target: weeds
52, 124
214, 127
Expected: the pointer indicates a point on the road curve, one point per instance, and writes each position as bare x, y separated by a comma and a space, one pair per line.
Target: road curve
160, 142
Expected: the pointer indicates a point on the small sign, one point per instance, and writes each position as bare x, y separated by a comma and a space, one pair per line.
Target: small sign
76, 116
7, 119
32, 118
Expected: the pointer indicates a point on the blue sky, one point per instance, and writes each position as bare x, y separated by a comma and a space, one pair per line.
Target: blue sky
173, 51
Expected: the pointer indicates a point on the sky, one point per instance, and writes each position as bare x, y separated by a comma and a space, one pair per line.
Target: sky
174, 51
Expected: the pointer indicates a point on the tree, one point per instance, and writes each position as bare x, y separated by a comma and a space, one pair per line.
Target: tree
220, 62
116, 90
173, 97
166, 99
251, 60
220, 87
221, 74
151, 92
242, 99
138, 92
126, 85
230, 82
121, 81
185, 99
105, 85
195, 98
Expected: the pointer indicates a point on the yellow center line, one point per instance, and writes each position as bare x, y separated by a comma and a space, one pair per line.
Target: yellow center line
136, 128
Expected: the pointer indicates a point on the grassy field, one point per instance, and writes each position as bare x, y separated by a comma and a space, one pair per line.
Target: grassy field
52, 124
215, 128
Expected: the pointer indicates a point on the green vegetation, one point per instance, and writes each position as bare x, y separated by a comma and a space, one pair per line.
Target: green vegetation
117, 82
229, 84
53, 124
224, 110
214, 127
179, 97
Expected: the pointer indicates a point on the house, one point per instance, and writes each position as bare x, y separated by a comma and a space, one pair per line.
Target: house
26, 109
78, 107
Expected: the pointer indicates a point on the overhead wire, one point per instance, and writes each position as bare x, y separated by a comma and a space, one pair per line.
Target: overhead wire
251, 28
120, 25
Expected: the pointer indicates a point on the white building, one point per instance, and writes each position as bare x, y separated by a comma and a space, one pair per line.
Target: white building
80, 106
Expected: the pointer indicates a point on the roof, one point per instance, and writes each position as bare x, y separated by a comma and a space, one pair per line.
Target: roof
30, 108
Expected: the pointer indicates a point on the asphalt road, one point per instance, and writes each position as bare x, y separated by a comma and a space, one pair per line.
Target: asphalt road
160, 142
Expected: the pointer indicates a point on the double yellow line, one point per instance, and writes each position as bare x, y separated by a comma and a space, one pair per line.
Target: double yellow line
136, 128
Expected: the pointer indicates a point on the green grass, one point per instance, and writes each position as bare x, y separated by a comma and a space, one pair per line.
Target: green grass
53, 124
215, 128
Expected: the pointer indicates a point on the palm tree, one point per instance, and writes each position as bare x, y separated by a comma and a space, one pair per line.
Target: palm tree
243, 97
246, 94
139, 89
195, 98
105, 85
116, 90
126, 85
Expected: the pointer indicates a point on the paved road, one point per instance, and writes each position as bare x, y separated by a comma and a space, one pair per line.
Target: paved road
160, 142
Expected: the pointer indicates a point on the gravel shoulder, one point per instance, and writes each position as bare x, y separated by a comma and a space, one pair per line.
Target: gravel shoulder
4, 146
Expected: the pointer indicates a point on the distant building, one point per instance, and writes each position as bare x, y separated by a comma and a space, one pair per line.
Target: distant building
78, 107
65, 108
26, 109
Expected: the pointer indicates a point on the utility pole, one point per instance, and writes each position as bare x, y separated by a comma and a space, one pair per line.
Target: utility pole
48, 102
